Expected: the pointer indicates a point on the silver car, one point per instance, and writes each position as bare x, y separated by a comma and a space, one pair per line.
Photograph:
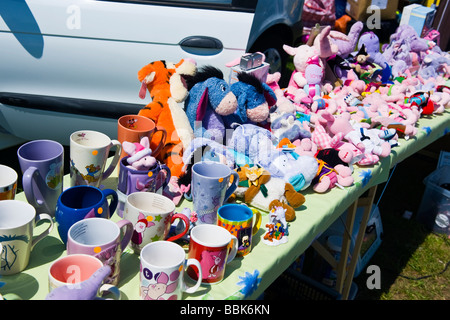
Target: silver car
67, 65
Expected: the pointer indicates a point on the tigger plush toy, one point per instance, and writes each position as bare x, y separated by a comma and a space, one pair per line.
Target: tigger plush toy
164, 81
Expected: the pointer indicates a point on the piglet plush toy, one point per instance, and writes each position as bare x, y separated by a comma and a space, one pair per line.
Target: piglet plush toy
140, 154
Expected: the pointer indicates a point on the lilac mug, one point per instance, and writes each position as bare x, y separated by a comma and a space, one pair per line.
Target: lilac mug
211, 188
42, 166
103, 239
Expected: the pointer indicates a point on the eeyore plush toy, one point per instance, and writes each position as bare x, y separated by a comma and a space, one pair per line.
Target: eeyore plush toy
254, 101
209, 99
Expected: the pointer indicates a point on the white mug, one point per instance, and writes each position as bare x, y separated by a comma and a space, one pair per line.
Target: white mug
17, 222
162, 271
89, 151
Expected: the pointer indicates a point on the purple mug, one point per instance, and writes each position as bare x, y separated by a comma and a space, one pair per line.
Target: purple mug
211, 188
42, 166
103, 239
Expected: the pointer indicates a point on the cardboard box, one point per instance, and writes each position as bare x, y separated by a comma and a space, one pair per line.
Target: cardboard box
357, 9
419, 17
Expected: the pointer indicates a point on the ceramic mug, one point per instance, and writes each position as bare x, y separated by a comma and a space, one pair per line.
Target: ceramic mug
162, 271
42, 166
131, 180
103, 239
214, 247
17, 222
210, 189
152, 215
240, 221
80, 202
75, 271
8, 183
133, 128
89, 152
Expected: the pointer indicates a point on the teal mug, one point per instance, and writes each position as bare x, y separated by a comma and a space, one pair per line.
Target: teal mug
80, 202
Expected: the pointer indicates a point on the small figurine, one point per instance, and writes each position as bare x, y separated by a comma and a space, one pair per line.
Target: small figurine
277, 226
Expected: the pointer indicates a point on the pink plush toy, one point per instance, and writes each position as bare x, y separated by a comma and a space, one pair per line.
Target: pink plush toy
140, 155
322, 47
367, 140
283, 104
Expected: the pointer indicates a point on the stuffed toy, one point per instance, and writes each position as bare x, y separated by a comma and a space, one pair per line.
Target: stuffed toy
254, 100
286, 125
282, 104
210, 99
322, 47
259, 189
347, 45
294, 169
371, 43
251, 140
363, 68
85, 290
369, 141
140, 154
164, 109
333, 169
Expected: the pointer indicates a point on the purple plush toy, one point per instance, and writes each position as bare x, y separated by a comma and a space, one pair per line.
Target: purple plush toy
86, 290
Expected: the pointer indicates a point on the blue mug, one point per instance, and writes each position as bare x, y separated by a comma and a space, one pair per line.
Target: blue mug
81, 202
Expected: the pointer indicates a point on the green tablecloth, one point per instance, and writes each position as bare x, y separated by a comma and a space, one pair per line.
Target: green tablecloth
249, 276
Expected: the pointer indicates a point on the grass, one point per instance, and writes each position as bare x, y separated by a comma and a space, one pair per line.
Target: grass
414, 261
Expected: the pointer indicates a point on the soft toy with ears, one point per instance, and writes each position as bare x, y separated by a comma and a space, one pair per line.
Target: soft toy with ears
259, 189
210, 99
282, 104
367, 140
254, 100
140, 154
165, 84
322, 47
333, 169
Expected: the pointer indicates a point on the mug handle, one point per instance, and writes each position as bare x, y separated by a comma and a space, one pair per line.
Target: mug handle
165, 168
42, 216
200, 276
233, 249
162, 143
186, 223
257, 224
114, 200
127, 233
30, 175
233, 186
117, 146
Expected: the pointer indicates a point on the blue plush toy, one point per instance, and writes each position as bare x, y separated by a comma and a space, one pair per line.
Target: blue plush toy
209, 99
254, 100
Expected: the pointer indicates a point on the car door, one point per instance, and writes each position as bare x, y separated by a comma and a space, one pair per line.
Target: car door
80, 58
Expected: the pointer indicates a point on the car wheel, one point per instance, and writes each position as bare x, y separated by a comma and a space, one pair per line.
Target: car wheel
272, 46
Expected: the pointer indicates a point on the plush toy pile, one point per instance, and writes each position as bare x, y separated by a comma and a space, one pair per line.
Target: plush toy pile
347, 104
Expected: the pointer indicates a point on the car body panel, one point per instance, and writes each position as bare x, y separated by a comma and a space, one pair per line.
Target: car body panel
72, 64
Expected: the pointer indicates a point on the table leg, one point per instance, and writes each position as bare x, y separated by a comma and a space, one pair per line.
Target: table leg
365, 202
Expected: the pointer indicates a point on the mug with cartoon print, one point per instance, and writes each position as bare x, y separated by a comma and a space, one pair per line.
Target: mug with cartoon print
42, 166
152, 215
18, 220
214, 247
89, 152
162, 268
103, 239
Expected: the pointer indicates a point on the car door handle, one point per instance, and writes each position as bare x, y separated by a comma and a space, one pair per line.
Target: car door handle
201, 42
